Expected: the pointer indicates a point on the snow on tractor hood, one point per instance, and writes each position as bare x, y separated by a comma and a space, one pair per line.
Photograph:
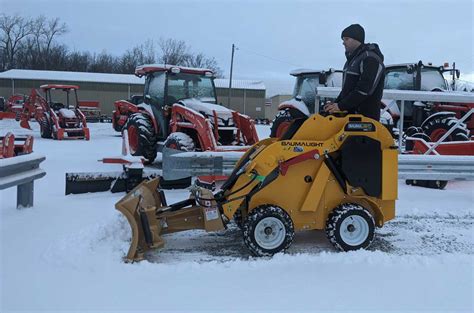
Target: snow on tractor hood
67, 113
296, 104
207, 108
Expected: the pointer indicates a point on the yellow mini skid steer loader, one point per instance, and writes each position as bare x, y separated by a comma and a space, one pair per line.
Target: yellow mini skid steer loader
333, 173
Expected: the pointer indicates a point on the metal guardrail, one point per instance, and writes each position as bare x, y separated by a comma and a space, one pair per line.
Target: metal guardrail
435, 167
418, 167
178, 165
21, 171
406, 95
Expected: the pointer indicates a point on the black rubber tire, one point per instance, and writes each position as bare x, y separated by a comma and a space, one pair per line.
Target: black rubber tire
411, 131
335, 219
180, 141
445, 122
252, 221
283, 116
433, 184
146, 136
45, 128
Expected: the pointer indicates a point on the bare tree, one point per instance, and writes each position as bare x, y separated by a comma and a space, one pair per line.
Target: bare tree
141, 54
13, 29
103, 63
201, 61
44, 33
177, 52
174, 52
78, 61
54, 29
32, 44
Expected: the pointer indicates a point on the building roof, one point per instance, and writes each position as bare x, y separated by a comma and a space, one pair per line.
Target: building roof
73, 76
240, 84
113, 78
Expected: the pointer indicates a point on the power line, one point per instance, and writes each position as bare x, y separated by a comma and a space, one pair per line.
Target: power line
268, 57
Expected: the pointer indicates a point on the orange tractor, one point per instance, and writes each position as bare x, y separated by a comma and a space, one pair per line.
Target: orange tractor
180, 112
57, 120
180, 109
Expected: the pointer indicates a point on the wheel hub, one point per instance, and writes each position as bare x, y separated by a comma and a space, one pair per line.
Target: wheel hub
270, 233
354, 230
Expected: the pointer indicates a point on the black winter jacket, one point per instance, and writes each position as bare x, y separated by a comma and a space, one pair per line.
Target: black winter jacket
363, 81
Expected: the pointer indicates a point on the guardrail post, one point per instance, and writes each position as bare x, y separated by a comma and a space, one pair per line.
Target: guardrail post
21, 172
400, 129
24, 196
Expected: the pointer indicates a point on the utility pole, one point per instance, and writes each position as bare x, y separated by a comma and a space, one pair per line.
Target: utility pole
230, 80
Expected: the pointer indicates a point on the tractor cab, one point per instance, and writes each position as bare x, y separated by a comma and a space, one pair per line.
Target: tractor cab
193, 88
67, 102
182, 86
416, 76
303, 101
168, 84
180, 111
308, 80
432, 119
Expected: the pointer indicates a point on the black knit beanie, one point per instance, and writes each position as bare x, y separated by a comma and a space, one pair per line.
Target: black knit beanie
354, 31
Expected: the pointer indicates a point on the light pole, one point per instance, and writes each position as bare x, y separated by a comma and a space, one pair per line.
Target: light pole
230, 80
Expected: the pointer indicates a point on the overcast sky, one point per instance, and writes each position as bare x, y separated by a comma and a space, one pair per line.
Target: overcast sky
274, 36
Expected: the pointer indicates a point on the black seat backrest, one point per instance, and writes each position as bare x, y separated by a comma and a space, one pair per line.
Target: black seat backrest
291, 131
57, 106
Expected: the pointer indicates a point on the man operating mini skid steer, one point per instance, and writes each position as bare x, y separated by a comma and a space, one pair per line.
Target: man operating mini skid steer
363, 78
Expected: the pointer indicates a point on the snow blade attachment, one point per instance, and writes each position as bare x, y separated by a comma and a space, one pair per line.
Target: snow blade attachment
77, 183
149, 216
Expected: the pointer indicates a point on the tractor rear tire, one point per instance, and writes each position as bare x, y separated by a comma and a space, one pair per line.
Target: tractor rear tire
267, 230
282, 121
350, 227
436, 126
45, 128
410, 144
141, 136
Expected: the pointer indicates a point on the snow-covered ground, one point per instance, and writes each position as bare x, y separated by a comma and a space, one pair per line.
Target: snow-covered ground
65, 253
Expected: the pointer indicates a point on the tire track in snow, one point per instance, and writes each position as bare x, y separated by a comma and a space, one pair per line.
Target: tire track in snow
406, 235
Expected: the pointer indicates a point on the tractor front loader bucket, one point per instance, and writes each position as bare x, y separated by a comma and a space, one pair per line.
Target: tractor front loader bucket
150, 217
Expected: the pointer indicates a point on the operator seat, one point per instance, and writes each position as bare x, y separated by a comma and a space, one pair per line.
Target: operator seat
57, 106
